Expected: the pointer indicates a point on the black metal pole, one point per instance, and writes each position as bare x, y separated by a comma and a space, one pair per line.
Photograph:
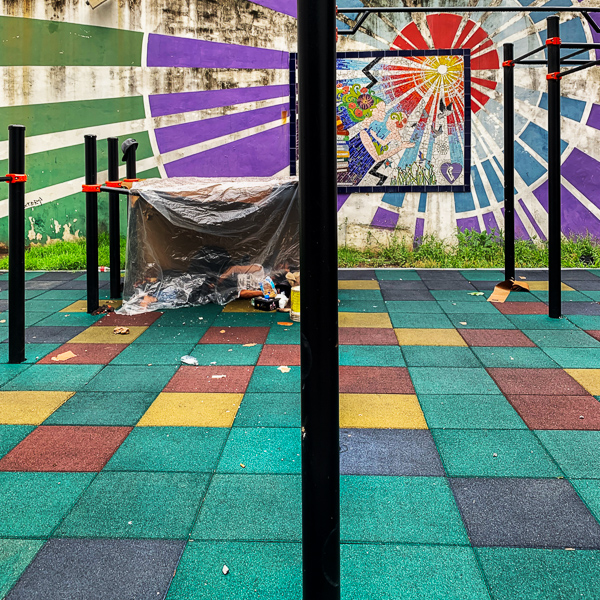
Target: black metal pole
129, 148
91, 224
16, 246
554, 179
114, 225
319, 327
509, 162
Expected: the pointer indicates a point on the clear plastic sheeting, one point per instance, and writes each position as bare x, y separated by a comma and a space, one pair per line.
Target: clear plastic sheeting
193, 241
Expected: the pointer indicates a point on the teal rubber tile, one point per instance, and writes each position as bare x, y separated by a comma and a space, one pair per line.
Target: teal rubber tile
575, 358
483, 275
364, 295
15, 555
585, 322
256, 319
410, 572
480, 321
565, 296
413, 306
33, 504
101, 276
499, 356
419, 510
439, 356
251, 508
74, 319
537, 574
9, 372
158, 335
183, 449
539, 322
70, 295
31, 317
131, 379
561, 339
589, 492
269, 571
193, 316
269, 410
68, 378
576, 452
456, 296
46, 306
468, 308
396, 275
28, 275
29, 294
463, 411
420, 321
137, 505
102, 408
493, 453
146, 354
371, 356
362, 306
446, 380
33, 352
223, 354
11, 435
595, 296
261, 450
272, 380
517, 297
278, 334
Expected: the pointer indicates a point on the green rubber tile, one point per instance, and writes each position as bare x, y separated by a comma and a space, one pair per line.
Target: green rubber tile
28, 275
539, 322
399, 509
498, 356
588, 323
11, 435
102, 408
566, 296
595, 296
184, 449
146, 354
463, 411
137, 505
446, 380
269, 571
261, 450
71, 295
561, 339
456, 296
33, 504
29, 294
193, 316
272, 380
46, 306
537, 574
413, 306
576, 452
575, 358
66, 378
589, 492
31, 317
269, 410
223, 354
15, 555
493, 453
9, 372
33, 352
362, 306
468, 308
131, 379
65, 319
396, 275
256, 319
420, 321
157, 335
364, 295
483, 275
439, 356
251, 507
517, 297
279, 334
371, 356
480, 321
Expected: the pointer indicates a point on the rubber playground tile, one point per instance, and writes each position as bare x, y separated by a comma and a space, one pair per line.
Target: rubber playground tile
468, 308
514, 357
31, 317
191, 316
33, 352
586, 322
496, 337
575, 358
585, 285
131, 379
398, 452
136, 505
185, 449
402, 285
456, 296
81, 305
58, 275
65, 319
71, 295
463, 411
439, 356
381, 411
538, 574
210, 380
418, 510
521, 308
538, 513
396, 275
493, 453
356, 274
429, 337
407, 295
440, 274
85, 354
102, 408
567, 296
36, 284
106, 335
45, 306
413, 307
8, 372
146, 355
542, 286
29, 295
51, 335
80, 285
11, 435
100, 569
529, 275
540, 322
452, 380
270, 571
589, 492
158, 336
578, 275
480, 321
56, 377
356, 284
576, 452
192, 410
15, 555
360, 306
482, 275
29, 408
33, 504
115, 320
363, 295
272, 379
247, 320
375, 380
595, 296
588, 378
421, 321
284, 334
280, 354
239, 306
516, 297
594, 334
591, 309
548, 382
235, 335
361, 336
251, 507
367, 320
223, 354
371, 356
269, 410
454, 285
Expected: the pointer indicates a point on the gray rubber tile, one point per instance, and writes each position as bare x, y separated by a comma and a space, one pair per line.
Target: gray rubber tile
449, 284
352, 275
51, 335
439, 274
36, 284
580, 308
402, 285
81, 285
100, 569
591, 285
526, 513
577, 275
531, 275
60, 275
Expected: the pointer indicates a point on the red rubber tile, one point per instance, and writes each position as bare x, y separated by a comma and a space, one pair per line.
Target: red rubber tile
65, 448
115, 320
280, 354
367, 336
375, 380
209, 380
235, 335
86, 354
594, 334
546, 382
522, 308
496, 337
558, 412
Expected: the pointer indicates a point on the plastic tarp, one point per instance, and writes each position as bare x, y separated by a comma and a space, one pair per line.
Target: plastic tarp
193, 241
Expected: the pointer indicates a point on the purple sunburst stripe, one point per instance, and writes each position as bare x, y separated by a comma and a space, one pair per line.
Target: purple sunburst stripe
173, 104
537, 228
583, 172
170, 51
342, 200
260, 155
489, 220
471, 223
594, 118
419, 231
287, 7
188, 134
385, 219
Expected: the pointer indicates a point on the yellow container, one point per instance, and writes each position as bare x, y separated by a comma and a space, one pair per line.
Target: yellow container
295, 301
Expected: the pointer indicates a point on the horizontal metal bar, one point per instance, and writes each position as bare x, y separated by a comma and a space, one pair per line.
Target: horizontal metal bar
570, 46
564, 58
113, 190
592, 63
5, 179
467, 9
545, 62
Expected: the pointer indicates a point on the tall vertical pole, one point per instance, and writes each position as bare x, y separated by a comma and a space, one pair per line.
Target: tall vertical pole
509, 162
554, 179
91, 224
114, 226
129, 149
16, 246
319, 326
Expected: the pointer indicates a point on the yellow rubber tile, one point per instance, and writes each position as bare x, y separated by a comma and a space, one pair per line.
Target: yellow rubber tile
378, 320
192, 410
429, 337
240, 306
81, 305
542, 286
588, 378
357, 284
29, 408
105, 335
381, 411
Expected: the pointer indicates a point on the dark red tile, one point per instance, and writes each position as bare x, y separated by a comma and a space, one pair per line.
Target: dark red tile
280, 354
375, 380
546, 382
594, 334
367, 336
65, 448
558, 412
496, 337
115, 320
86, 354
235, 335
209, 380
522, 308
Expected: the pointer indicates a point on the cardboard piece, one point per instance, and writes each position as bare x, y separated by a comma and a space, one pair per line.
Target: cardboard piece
503, 289
64, 356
